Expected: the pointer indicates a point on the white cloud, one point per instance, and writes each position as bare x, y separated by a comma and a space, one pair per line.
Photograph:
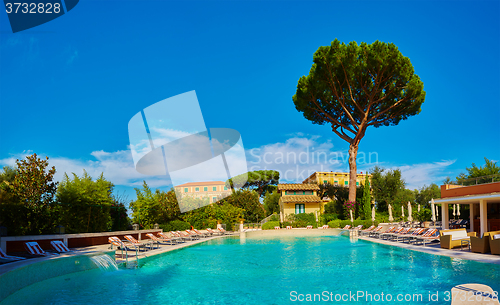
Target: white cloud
418, 175
296, 159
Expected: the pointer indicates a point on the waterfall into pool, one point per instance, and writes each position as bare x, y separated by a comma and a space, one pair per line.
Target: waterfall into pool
104, 262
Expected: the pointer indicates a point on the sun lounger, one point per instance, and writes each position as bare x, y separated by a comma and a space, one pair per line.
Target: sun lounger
394, 235
202, 234
137, 243
224, 232
277, 228
367, 230
5, 257
325, 227
309, 227
428, 237
411, 237
358, 227
289, 227
34, 248
193, 234
209, 230
182, 235
165, 238
375, 231
347, 227
158, 241
378, 233
386, 235
60, 247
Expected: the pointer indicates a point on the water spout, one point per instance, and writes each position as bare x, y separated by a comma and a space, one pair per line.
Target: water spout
104, 262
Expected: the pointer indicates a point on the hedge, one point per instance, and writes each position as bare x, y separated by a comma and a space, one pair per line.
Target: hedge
337, 223
270, 225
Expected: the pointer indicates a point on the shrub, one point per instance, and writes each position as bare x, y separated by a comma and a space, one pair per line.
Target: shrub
274, 217
284, 224
270, 225
337, 223
175, 225
302, 220
326, 218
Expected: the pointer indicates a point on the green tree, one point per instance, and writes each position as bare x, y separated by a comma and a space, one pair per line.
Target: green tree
356, 86
155, 207
366, 201
207, 216
13, 214
249, 202
490, 172
426, 193
271, 202
34, 184
35, 188
85, 204
385, 186
261, 181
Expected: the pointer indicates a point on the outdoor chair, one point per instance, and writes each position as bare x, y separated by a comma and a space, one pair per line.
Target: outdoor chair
453, 238
60, 247
481, 244
5, 257
347, 227
174, 239
137, 243
427, 237
495, 243
34, 248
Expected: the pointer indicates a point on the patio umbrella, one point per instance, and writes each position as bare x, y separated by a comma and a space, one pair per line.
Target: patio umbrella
454, 211
350, 211
403, 212
458, 210
418, 209
373, 213
437, 211
410, 218
433, 211
390, 213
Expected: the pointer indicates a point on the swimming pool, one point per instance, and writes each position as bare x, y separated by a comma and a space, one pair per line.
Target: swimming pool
267, 271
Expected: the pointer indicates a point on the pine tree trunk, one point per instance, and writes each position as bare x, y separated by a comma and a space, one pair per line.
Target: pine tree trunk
353, 153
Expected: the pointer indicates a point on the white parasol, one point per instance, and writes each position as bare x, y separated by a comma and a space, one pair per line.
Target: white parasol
410, 218
433, 211
390, 214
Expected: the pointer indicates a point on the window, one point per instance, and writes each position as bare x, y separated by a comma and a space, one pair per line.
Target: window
300, 208
196, 189
205, 189
325, 182
185, 190
225, 188
214, 199
346, 182
357, 183
214, 188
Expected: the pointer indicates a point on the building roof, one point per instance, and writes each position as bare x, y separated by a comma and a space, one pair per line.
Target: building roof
201, 183
300, 198
298, 187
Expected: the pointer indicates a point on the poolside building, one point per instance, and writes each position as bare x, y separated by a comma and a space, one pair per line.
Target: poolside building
336, 178
211, 189
299, 198
483, 201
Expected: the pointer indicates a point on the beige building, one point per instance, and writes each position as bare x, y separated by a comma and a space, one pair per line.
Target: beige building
299, 198
211, 189
335, 178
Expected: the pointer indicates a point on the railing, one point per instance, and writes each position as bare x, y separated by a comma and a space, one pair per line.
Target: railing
477, 180
247, 226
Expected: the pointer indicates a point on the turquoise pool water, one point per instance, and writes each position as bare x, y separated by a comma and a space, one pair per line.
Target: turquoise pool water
268, 271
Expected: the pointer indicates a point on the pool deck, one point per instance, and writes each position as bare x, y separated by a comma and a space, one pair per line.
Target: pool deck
435, 248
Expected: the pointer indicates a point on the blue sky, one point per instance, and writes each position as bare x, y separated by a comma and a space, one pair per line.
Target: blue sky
68, 88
